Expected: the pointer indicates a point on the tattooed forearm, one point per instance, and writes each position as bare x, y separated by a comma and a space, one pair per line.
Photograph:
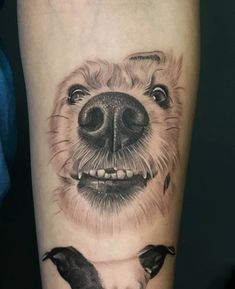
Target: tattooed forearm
80, 273
114, 135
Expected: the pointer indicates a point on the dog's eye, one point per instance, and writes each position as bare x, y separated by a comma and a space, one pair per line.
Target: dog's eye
76, 94
160, 95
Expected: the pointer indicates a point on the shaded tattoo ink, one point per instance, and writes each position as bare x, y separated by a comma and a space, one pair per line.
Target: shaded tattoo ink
114, 140
74, 268
152, 258
81, 273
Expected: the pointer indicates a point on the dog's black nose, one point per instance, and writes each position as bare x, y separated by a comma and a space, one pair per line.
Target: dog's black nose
113, 120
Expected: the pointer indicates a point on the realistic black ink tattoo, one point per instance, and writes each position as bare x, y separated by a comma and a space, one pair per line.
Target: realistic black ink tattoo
74, 268
81, 273
114, 140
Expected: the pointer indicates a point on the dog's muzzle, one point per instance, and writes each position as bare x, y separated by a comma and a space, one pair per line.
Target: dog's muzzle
113, 122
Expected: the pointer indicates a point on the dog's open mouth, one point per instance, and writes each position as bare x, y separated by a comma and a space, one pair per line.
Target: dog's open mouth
111, 182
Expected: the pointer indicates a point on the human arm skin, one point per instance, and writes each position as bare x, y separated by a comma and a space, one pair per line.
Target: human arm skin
111, 86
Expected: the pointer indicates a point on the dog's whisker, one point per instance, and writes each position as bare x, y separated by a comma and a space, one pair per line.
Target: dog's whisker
179, 88
59, 115
125, 160
52, 131
173, 127
145, 158
75, 207
145, 167
171, 117
134, 161
87, 156
56, 154
63, 193
99, 159
67, 162
58, 211
59, 142
157, 203
156, 121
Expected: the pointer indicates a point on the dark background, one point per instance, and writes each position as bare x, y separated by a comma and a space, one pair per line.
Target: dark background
206, 255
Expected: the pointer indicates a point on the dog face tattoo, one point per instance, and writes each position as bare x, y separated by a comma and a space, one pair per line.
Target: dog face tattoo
134, 273
114, 140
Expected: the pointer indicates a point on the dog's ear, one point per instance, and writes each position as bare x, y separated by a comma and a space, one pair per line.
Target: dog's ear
157, 56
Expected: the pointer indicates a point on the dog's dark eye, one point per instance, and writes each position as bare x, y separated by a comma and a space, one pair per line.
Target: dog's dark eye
160, 95
76, 93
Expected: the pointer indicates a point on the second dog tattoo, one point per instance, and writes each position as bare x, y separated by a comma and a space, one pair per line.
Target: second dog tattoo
114, 140
133, 273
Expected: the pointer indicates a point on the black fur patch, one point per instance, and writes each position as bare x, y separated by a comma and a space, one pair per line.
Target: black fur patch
74, 268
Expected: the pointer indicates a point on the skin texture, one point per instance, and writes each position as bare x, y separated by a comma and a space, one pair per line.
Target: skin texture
58, 40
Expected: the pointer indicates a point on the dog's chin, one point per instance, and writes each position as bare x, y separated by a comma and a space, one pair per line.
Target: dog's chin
112, 189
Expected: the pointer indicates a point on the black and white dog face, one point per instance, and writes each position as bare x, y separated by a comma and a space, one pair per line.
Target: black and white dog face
114, 139
132, 273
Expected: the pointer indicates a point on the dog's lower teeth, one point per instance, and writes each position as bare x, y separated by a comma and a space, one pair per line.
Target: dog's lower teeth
129, 174
145, 175
92, 173
121, 174
101, 173
114, 176
79, 175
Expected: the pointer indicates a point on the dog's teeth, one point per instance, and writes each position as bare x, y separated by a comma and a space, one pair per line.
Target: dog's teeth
129, 173
79, 175
144, 175
101, 173
114, 176
107, 176
149, 271
92, 173
121, 174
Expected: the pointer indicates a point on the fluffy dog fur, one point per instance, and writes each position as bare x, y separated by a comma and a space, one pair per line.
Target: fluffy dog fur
157, 154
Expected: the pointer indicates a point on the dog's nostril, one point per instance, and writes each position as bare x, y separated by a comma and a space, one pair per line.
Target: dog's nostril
135, 119
91, 119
